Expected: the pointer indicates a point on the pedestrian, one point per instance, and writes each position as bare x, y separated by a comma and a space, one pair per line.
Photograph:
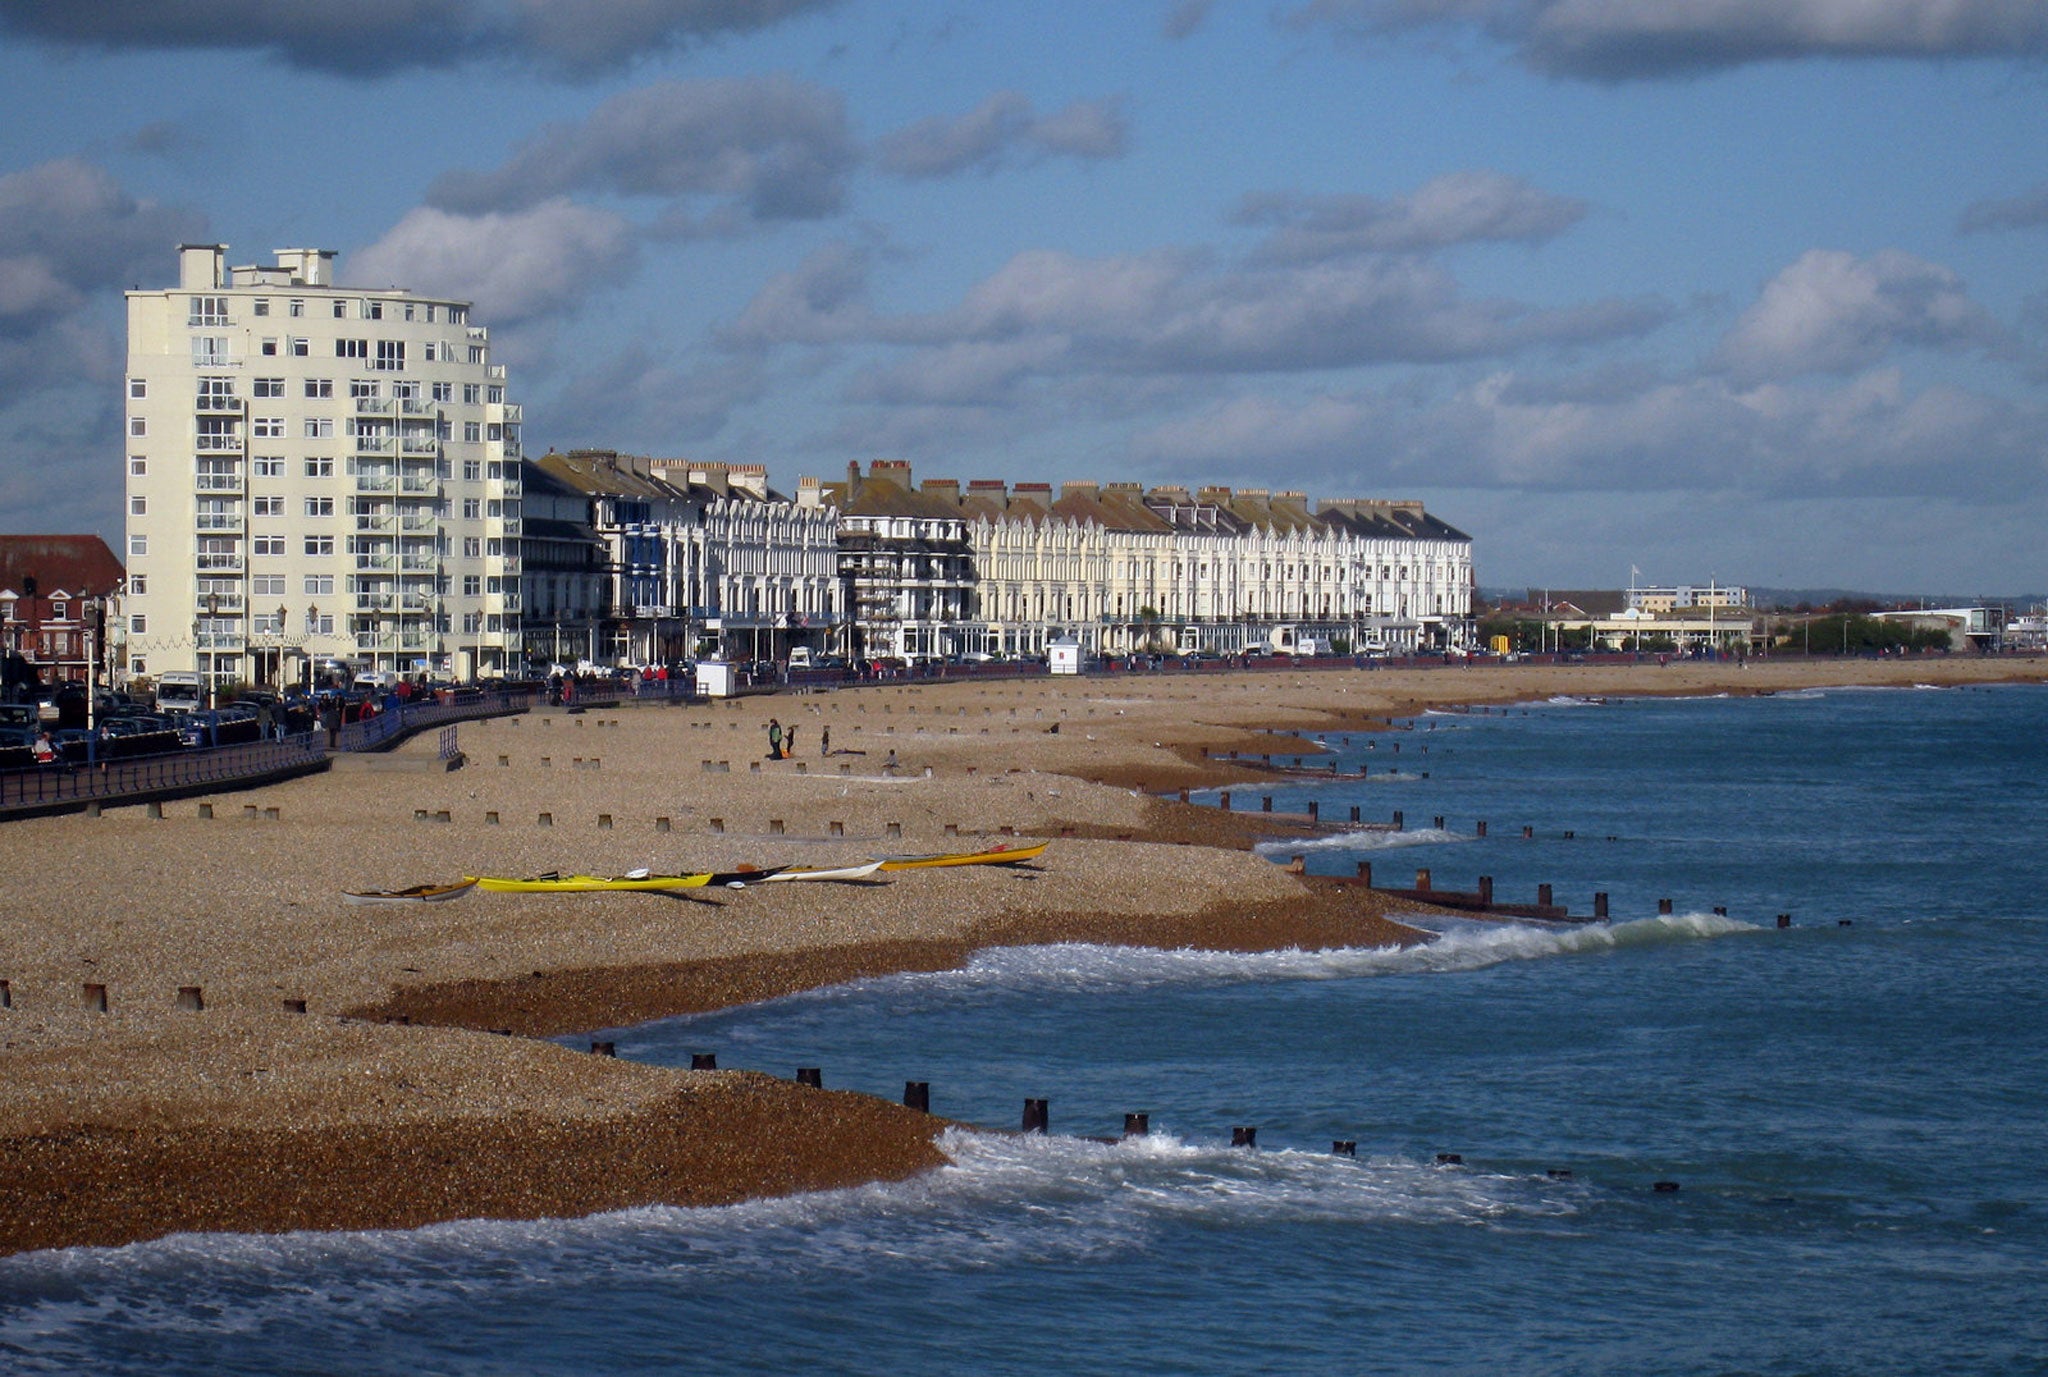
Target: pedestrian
774, 739
825, 742
789, 741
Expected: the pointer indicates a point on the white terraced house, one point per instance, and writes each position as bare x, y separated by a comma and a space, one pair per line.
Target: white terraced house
315, 473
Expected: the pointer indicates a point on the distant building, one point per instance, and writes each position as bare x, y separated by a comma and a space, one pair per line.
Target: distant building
1686, 597
59, 606
315, 471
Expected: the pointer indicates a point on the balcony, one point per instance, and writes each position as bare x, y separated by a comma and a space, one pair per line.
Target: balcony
366, 561
419, 482
420, 444
219, 640
230, 522
217, 444
208, 404
218, 482
379, 522
230, 563
419, 564
376, 482
375, 444
374, 406
413, 406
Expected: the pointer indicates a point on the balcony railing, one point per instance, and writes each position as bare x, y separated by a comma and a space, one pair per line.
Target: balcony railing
219, 521
219, 564
373, 406
376, 561
419, 482
413, 406
376, 482
218, 482
207, 405
375, 444
218, 444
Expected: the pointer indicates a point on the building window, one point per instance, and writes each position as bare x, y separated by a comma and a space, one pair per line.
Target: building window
318, 585
476, 353
138, 625
472, 509
138, 388
319, 468
270, 387
472, 585
138, 505
408, 310
268, 428
406, 391
297, 307
138, 545
472, 394
209, 351
137, 426
362, 387
390, 355
267, 586
207, 311
320, 388
267, 545
261, 306
319, 427
472, 431
473, 470
351, 349
268, 346
138, 466
472, 547
266, 506
319, 506
373, 310
319, 546
444, 392
340, 308
268, 465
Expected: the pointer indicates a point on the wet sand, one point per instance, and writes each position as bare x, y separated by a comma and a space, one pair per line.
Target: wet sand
413, 1087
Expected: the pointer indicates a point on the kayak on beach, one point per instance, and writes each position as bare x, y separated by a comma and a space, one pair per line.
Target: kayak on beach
635, 881
1000, 854
819, 872
412, 894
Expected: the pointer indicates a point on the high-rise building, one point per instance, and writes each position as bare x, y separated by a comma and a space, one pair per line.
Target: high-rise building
315, 473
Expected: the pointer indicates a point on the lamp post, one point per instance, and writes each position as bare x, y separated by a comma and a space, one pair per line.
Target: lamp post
89, 612
312, 626
212, 660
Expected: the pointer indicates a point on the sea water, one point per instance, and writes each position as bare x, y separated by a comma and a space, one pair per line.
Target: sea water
1851, 1109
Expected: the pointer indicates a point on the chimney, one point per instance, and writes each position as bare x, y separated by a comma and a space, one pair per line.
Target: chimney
1081, 487
1037, 495
308, 267
894, 471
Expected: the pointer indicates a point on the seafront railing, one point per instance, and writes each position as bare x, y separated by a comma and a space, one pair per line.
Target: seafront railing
58, 788
405, 718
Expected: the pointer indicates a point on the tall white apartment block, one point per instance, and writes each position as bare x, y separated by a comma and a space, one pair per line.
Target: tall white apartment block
315, 473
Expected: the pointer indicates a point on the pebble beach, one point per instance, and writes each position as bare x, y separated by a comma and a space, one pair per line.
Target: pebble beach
385, 1066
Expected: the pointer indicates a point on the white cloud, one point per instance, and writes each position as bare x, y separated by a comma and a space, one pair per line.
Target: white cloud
773, 147
1618, 40
514, 267
1457, 208
1833, 312
1003, 131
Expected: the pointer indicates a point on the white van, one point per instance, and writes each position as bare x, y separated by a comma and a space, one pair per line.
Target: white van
180, 691
377, 680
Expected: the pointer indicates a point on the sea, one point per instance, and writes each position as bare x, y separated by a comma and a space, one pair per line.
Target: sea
1696, 1142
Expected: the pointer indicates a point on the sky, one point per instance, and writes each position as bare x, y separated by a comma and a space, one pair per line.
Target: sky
1746, 290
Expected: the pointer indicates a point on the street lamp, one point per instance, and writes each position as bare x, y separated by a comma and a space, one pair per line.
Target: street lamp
89, 612
312, 626
212, 661
283, 612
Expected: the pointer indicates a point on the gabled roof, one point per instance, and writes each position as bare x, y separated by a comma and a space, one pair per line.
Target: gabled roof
79, 566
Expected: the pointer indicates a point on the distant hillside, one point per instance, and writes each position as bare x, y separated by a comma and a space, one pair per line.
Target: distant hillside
1775, 598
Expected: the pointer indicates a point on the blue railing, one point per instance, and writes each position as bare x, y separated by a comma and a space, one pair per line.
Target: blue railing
57, 785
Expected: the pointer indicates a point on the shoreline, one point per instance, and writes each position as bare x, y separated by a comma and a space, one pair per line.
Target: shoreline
149, 1118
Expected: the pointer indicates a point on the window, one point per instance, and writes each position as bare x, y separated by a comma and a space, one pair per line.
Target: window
319, 506
320, 387
494, 432
472, 547
266, 506
268, 347
319, 546
457, 314
209, 351
472, 585
270, 387
473, 469
373, 310
362, 387
138, 545
319, 427
408, 310
444, 392
300, 348
322, 625
266, 586
472, 393
471, 621
476, 353
318, 585
297, 307
472, 430
261, 306
138, 625
138, 466
268, 428
138, 505
319, 468
406, 391
138, 388
351, 349
137, 426
472, 509
268, 465
496, 395
340, 308
267, 545
138, 585
390, 355
430, 313
208, 311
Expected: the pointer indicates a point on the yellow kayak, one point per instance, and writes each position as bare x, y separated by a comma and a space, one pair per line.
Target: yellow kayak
596, 884
1001, 854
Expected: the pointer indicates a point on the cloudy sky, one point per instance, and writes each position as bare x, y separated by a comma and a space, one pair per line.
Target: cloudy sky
1746, 289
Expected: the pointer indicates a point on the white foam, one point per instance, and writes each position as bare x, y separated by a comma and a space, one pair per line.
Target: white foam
1359, 841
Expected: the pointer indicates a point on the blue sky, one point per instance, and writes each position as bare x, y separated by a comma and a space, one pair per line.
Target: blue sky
1748, 289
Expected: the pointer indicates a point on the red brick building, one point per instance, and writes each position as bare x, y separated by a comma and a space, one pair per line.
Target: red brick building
55, 596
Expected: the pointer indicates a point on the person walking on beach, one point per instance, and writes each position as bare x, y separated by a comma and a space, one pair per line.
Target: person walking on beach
774, 738
789, 741
825, 741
